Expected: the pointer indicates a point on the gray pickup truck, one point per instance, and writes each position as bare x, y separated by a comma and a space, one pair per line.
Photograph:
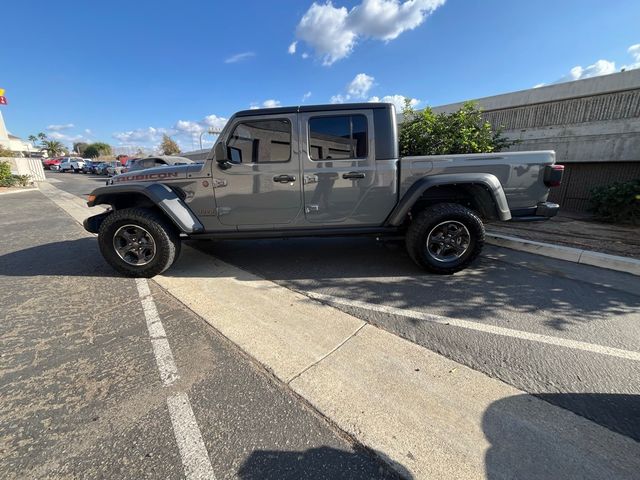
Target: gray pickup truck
323, 170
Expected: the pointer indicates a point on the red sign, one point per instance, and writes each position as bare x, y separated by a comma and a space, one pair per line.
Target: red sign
3, 100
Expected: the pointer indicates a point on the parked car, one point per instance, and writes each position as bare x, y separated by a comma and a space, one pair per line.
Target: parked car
101, 168
114, 168
346, 177
89, 166
51, 161
71, 164
159, 161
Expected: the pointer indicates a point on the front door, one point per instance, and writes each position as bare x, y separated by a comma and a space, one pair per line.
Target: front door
260, 186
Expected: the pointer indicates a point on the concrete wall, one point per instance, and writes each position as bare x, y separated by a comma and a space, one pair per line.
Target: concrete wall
26, 166
592, 124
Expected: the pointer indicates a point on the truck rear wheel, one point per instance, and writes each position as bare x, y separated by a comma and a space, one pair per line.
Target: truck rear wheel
445, 238
138, 242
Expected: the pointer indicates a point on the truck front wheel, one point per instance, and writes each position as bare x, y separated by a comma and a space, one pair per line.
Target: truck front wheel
138, 242
445, 238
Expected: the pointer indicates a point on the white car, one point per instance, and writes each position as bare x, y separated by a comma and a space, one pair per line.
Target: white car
71, 164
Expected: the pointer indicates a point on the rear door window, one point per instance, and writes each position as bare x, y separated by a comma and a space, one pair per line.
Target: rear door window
340, 137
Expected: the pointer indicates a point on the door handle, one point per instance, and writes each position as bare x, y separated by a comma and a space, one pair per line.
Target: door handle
352, 175
284, 178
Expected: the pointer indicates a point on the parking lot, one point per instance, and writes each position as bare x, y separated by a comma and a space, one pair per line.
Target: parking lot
83, 395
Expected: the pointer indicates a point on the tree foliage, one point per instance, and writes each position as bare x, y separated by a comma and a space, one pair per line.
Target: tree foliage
461, 132
80, 147
94, 150
169, 146
53, 147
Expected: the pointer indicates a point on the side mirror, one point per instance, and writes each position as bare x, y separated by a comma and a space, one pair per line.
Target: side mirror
221, 153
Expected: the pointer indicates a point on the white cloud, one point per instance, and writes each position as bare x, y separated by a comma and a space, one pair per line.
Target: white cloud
325, 29
359, 88
634, 51
601, 67
57, 128
238, 57
334, 31
360, 85
292, 48
397, 100
185, 132
270, 103
140, 135
339, 98
306, 96
305, 55
214, 122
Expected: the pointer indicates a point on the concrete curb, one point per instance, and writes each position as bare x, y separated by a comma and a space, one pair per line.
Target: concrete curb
568, 254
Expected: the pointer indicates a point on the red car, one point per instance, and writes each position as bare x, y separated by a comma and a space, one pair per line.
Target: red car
51, 161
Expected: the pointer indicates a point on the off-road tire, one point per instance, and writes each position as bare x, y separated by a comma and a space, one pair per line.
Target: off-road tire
165, 236
424, 223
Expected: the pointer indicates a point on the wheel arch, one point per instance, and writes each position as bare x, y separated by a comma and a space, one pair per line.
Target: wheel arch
155, 195
481, 192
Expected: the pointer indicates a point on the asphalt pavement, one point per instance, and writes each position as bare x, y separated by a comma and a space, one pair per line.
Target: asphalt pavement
82, 390
547, 307
562, 320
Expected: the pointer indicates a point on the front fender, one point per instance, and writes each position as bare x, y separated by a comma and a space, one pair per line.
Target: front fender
158, 194
490, 182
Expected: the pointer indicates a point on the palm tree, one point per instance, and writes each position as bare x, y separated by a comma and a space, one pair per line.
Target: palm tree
53, 147
33, 139
42, 136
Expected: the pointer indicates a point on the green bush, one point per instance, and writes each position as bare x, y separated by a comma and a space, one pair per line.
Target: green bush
22, 180
5, 170
460, 132
618, 202
9, 181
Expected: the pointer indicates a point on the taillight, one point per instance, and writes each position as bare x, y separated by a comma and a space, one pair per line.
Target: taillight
553, 175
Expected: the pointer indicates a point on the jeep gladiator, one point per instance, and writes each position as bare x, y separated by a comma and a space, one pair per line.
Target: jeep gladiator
323, 170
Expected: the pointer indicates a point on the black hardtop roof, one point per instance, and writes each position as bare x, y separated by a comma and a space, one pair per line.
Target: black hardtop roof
313, 108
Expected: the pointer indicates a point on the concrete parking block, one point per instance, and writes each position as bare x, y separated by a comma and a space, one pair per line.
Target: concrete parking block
554, 251
569, 254
612, 262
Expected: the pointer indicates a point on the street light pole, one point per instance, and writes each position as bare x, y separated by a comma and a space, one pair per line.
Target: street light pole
210, 131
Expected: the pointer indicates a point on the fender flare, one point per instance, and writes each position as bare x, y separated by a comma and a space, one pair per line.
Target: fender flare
160, 195
490, 182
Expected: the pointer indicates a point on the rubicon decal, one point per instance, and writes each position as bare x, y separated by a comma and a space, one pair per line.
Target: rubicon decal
148, 176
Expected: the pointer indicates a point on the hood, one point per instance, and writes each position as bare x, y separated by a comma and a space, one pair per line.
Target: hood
164, 173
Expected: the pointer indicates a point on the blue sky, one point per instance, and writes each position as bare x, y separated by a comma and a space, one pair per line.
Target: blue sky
125, 72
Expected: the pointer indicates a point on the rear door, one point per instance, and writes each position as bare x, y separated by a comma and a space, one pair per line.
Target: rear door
260, 187
338, 160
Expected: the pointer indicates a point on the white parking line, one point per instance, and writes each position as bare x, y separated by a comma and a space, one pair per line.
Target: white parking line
193, 452
195, 458
480, 327
161, 349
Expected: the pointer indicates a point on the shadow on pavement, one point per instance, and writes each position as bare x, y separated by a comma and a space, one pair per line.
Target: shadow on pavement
77, 258
373, 272
525, 444
316, 463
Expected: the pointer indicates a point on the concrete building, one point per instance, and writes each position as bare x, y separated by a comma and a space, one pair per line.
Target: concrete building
592, 124
13, 143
